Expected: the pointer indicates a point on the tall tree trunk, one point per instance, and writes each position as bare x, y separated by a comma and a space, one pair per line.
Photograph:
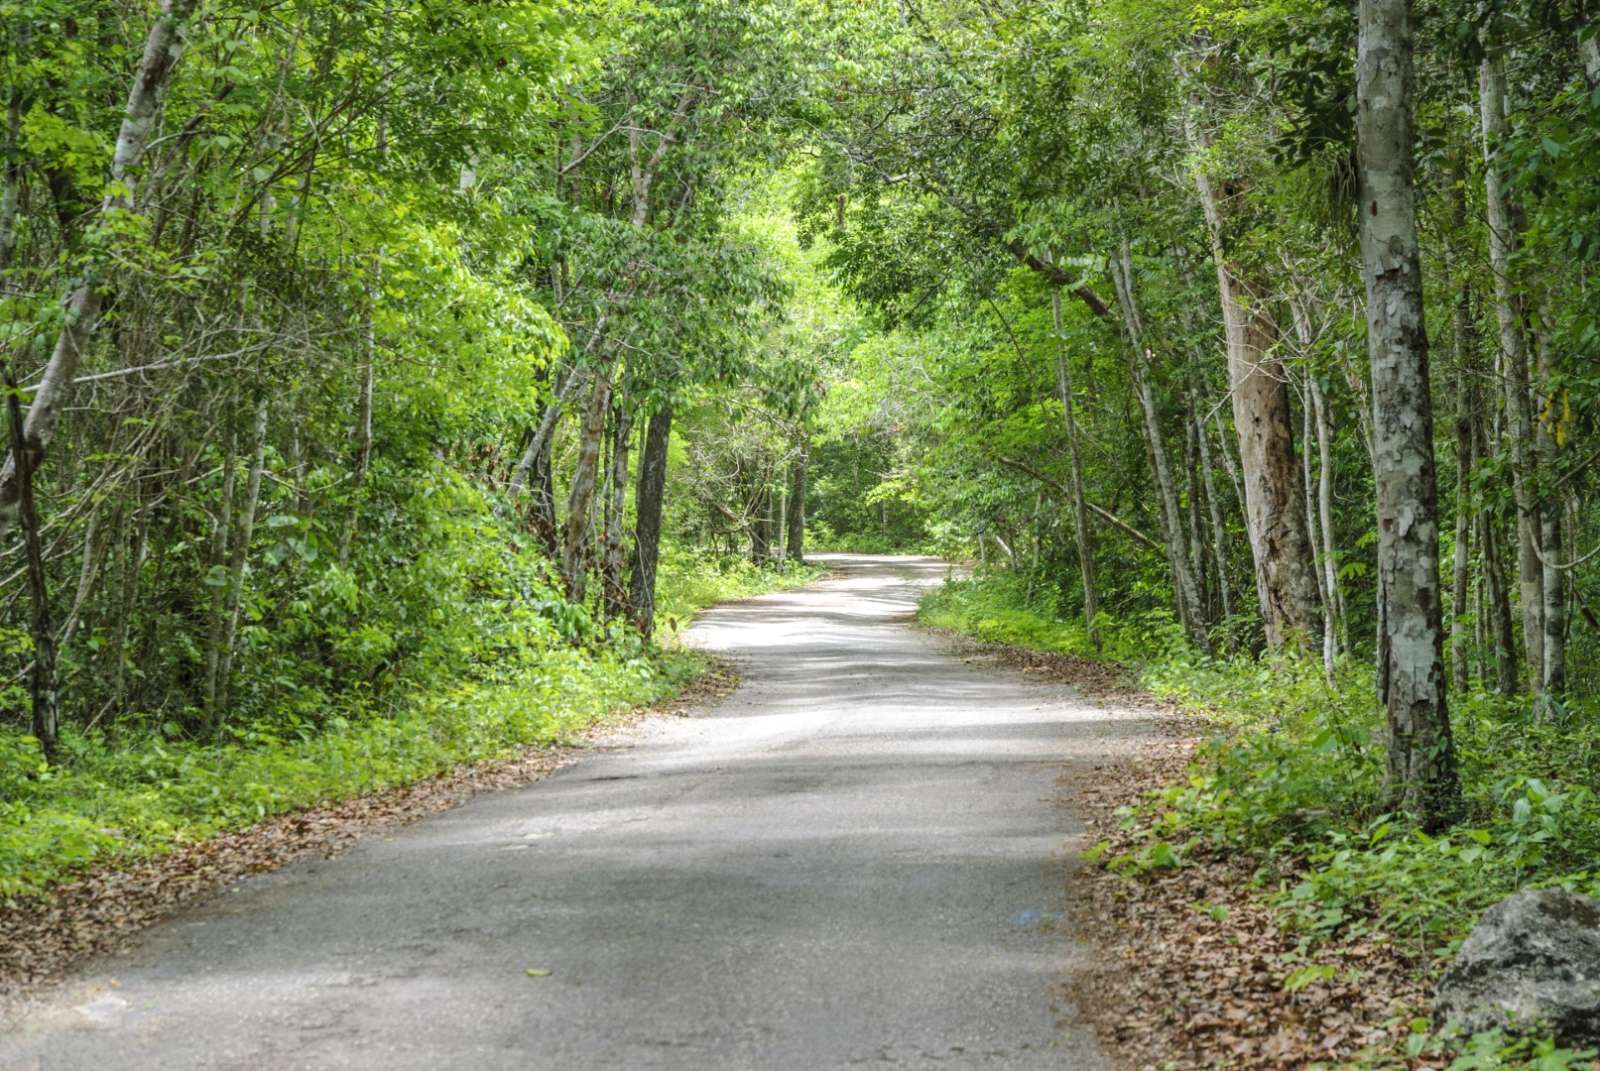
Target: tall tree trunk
133, 559
1219, 534
1197, 556
795, 508
10, 177
647, 504
760, 529
44, 721
539, 445
574, 548
1508, 673
240, 558
615, 590
1460, 642
216, 577
1330, 555
1184, 588
542, 509
1421, 772
780, 528
1082, 533
1318, 519
1285, 572
1514, 360
1553, 677
1589, 50
162, 47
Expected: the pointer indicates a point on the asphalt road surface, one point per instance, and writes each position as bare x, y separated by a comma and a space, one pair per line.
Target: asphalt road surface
859, 859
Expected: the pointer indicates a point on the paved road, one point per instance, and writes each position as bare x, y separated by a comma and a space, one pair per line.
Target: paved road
858, 859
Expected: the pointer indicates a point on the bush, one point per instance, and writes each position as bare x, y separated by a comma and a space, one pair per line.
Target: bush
461, 655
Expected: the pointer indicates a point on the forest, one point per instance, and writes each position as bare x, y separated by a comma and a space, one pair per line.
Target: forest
389, 382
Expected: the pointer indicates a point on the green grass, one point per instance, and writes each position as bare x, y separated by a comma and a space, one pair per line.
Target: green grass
1292, 776
120, 797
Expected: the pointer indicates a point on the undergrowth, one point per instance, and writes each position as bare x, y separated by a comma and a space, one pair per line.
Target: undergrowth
537, 671
1292, 776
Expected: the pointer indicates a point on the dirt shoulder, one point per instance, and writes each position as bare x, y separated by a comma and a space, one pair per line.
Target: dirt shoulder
1190, 967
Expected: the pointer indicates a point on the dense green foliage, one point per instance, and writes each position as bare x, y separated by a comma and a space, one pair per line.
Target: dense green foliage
122, 795
1043, 208
382, 360
338, 431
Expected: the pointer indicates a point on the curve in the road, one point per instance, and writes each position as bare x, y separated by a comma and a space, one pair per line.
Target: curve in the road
858, 859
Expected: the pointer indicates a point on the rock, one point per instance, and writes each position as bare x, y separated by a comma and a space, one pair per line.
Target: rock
1533, 958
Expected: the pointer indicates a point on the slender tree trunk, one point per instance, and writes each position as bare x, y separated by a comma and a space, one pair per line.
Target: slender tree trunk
539, 445
1330, 648
761, 525
1589, 50
1330, 554
1508, 675
1230, 464
163, 45
1197, 556
1421, 769
1219, 533
1318, 520
780, 529
647, 504
1514, 360
542, 510
10, 177
44, 721
89, 562
1184, 588
240, 559
1082, 533
1460, 641
1553, 677
133, 558
795, 508
216, 578
574, 557
615, 581
1285, 572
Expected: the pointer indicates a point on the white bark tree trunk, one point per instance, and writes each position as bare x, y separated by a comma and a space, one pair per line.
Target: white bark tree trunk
1514, 360
1082, 533
1184, 587
1330, 557
1421, 772
1219, 533
1553, 567
1589, 50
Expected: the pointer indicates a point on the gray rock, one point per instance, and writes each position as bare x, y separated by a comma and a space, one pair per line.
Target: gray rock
1534, 958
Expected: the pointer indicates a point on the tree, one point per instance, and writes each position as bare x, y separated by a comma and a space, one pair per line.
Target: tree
1411, 680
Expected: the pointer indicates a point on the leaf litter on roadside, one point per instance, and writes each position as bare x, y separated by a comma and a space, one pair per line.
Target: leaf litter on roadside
101, 912
1192, 968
